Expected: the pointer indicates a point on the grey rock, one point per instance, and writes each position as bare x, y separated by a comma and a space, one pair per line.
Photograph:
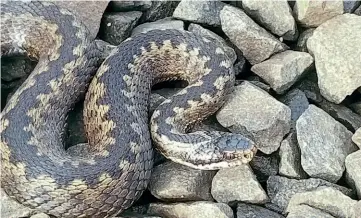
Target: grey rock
130, 5
13, 68
350, 6
253, 112
290, 158
254, 211
311, 90
191, 210
356, 107
264, 166
201, 12
311, 13
237, 184
160, 9
358, 11
326, 199
159, 24
324, 144
302, 40
276, 17
305, 211
282, 70
240, 66
11, 208
174, 182
254, 41
116, 27
40, 215
338, 75
356, 137
281, 189
104, 47
353, 163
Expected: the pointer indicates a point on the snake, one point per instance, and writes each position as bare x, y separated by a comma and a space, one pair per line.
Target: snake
114, 167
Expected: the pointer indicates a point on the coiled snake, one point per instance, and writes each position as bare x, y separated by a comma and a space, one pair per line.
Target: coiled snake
38, 172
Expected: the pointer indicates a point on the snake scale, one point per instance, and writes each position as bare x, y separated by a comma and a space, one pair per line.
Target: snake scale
114, 169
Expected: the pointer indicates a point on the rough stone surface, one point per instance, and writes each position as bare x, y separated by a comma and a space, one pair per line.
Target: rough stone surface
172, 181
130, 5
191, 210
202, 12
13, 68
276, 17
264, 166
237, 184
116, 27
305, 211
358, 11
254, 211
326, 199
290, 158
336, 47
281, 189
159, 24
311, 13
356, 107
40, 215
104, 47
350, 6
282, 70
254, 41
356, 137
160, 9
311, 90
353, 164
302, 40
324, 144
11, 208
253, 112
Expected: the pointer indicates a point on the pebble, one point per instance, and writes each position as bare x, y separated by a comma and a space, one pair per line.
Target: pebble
174, 182
237, 184
324, 144
254, 41
305, 211
254, 211
353, 163
356, 137
256, 114
282, 70
159, 10
338, 75
120, 6
276, 17
302, 40
157, 25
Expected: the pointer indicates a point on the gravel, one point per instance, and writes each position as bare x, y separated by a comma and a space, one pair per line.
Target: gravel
254, 211
353, 163
165, 23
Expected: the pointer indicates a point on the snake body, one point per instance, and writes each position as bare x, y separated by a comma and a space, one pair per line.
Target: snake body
115, 167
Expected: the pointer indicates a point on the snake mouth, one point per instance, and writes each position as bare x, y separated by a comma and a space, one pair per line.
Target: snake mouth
244, 156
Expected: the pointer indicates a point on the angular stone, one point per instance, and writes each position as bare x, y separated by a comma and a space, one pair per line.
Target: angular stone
120, 6
311, 13
304, 211
356, 107
302, 40
276, 17
311, 90
253, 112
202, 12
255, 42
159, 10
191, 210
282, 70
324, 144
353, 163
159, 24
104, 47
40, 215
11, 208
356, 137
336, 47
254, 211
264, 166
237, 184
358, 11
172, 181
350, 6
13, 68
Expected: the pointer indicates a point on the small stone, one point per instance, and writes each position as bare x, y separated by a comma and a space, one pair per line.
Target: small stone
302, 40
254, 211
311, 90
336, 47
358, 11
191, 210
159, 10
282, 70
304, 211
159, 24
350, 6
237, 184
13, 68
311, 13
255, 42
240, 66
281, 189
264, 166
353, 163
356, 107
276, 17
11, 208
201, 12
40, 215
324, 144
290, 158
328, 200
356, 137
116, 27
120, 6
104, 47
256, 114
172, 181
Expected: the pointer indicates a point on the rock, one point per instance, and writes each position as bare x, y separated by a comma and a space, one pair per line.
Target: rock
159, 10
174, 182
302, 40
356, 107
13, 68
116, 27
350, 6
253, 211
255, 42
336, 46
326, 199
276, 17
214, 38
324, 144
282, 70
353, 163
311, 90
290, 158
311, 13
120, 6
104, 47
159, 24
89, 12
304, 211
281, 189
40, 215
356, 138
201, 12
11, 208
237, 184
264, 166
240, 66
253, 112
358, 11
191, 210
